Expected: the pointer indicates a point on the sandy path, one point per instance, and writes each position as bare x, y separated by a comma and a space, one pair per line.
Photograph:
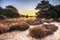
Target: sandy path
18, 35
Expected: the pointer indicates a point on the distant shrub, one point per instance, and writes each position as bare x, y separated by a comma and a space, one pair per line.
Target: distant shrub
34, 22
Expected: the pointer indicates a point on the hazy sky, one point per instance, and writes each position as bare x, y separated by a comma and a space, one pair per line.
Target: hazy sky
25, 6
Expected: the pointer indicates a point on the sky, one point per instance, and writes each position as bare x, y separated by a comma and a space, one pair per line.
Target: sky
25, 7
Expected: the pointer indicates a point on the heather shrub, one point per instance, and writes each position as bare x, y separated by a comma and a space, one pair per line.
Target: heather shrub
4, 29
39, 32
22, 26
34, 22
51, 27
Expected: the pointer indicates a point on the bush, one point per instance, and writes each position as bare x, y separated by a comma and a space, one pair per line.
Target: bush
51, 27
4, 29
39, 32
22, 26
34, 22
13, 28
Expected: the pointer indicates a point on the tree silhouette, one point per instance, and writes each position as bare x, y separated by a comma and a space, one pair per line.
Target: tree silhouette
12, 12
2, 16
48, 11
27, 16
43, 8
9, 12
57, 9
12, 8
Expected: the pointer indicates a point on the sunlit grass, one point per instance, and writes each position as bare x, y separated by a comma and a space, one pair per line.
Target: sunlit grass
13, 21
7, 23
29, 18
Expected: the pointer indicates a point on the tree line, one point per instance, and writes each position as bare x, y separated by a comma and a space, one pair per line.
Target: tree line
49, 12
9, 12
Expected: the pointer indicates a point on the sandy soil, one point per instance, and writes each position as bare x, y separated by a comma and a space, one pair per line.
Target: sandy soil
24, 35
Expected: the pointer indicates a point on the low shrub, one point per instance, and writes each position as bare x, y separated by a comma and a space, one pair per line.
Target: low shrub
39, 32
51, 27
4, 29
34, 22
22, 26
13, 28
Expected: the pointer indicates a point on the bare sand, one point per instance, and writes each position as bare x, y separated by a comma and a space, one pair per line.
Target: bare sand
24, 35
